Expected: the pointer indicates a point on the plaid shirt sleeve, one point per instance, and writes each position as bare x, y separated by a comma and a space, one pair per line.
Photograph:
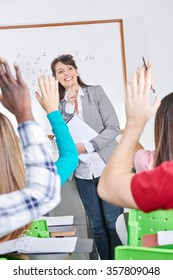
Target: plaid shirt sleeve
42, 184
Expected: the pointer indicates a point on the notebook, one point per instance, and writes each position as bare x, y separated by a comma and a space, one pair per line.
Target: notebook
58, 220
29, 245
165, 237
149, 240
81, 133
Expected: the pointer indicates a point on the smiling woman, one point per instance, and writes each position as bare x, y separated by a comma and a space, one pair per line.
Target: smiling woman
91, 105
64, 69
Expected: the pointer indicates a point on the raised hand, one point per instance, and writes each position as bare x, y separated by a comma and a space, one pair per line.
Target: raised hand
72, 95
14, 95
138, 106
80, 148
49, 97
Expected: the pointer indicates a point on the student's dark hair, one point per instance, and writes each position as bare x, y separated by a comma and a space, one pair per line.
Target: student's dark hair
164, 130
66, 59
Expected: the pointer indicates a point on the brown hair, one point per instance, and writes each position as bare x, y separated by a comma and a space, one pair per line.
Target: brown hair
12, 175
164, 130
66, 59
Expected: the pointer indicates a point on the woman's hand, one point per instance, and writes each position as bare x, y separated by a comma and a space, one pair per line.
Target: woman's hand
80, 148
49, 97
72, 95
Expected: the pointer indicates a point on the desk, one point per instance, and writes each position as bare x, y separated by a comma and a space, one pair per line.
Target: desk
71, 205
81, 246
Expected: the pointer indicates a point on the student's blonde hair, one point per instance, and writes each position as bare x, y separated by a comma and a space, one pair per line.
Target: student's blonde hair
12, 173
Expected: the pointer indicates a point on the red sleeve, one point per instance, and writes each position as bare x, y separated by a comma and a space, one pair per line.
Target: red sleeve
153, 190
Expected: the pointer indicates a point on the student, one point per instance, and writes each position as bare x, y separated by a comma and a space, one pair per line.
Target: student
91, 104
147, 160
24, 196
149, 190
49, 100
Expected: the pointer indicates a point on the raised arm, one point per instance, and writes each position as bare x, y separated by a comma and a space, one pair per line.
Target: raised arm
41, 192
49, 100
115, 182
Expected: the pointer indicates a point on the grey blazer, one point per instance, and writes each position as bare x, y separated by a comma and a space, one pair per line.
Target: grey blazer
98, 113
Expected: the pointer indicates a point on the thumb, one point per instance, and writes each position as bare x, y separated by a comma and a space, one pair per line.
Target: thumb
38, 97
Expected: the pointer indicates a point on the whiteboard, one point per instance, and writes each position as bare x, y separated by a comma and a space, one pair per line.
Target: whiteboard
97, 47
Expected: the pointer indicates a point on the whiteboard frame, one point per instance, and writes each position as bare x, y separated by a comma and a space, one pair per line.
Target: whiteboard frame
118, 21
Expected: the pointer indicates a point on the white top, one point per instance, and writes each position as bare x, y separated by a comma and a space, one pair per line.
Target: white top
94, 166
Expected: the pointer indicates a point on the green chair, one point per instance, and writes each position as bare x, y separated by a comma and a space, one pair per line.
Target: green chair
38, 228
143, 253
139, 224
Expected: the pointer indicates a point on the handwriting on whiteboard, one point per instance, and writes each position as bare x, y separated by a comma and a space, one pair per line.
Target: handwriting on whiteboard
32, 68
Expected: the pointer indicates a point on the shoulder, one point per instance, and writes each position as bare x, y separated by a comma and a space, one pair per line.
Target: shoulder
93, 88
96, 91
151, 190
143, 160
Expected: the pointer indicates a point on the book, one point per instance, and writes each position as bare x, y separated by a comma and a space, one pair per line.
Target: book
33, 245
62, 231
58, 220
161, 238
149, 240
165, 237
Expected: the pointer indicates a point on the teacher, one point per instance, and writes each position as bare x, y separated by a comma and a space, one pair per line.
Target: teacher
91, 104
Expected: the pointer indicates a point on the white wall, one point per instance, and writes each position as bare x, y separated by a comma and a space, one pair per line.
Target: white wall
147, 30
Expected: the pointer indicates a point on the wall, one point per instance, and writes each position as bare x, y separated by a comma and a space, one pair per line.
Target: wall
147, 29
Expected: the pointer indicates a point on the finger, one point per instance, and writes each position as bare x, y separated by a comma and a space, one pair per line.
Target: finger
148, 64
46, 84
1, 71
128, 90
51, 84
41, 86
148, 82
0, 95
3, 79
38, 97
153, 79
8, 73
56, 89
137, 71
134, 84
18, 74
70, 95
76, 93
141, 81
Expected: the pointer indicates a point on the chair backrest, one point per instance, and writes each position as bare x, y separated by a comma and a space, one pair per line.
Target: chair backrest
140, 223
